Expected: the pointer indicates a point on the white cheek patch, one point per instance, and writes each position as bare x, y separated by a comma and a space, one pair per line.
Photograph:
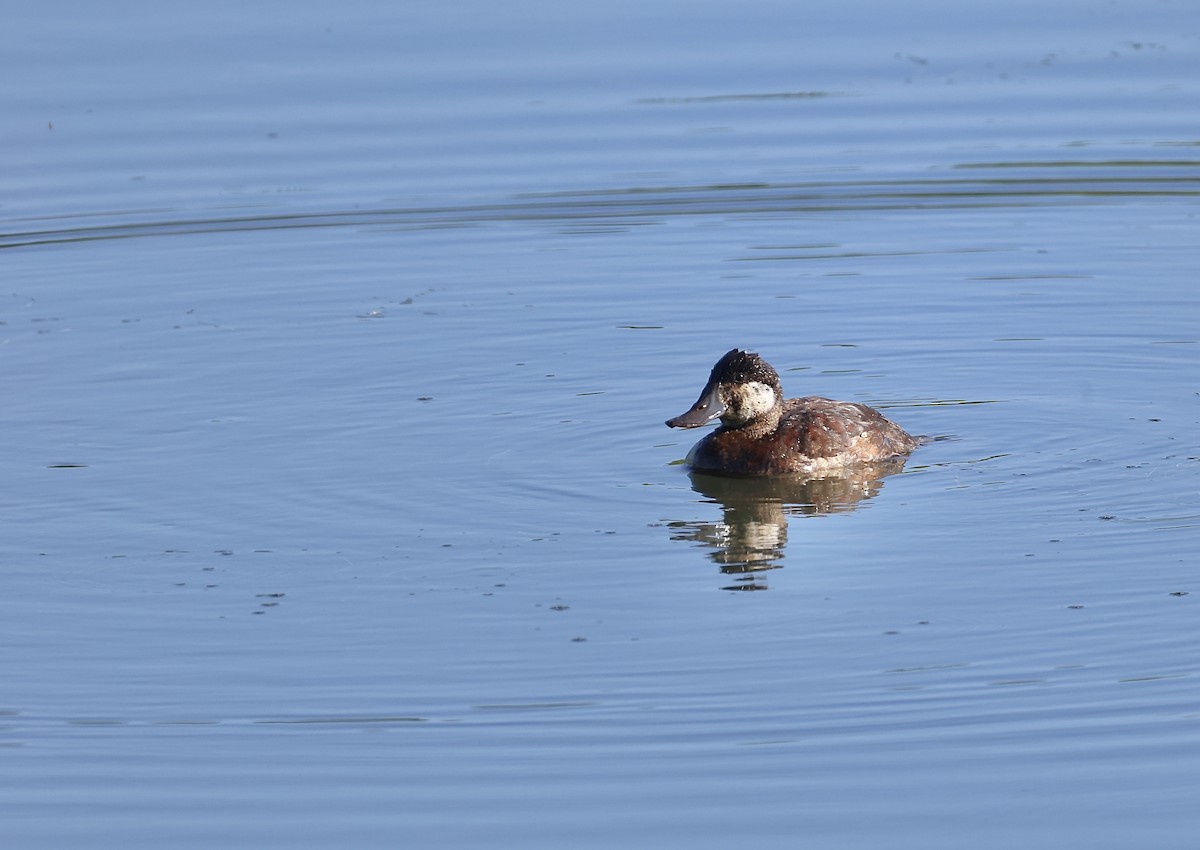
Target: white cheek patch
759, 398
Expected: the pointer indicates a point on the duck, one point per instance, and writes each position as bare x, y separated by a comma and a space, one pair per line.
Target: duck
761, 433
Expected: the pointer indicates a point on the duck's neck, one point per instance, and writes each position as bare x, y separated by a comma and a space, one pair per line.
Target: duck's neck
762, 425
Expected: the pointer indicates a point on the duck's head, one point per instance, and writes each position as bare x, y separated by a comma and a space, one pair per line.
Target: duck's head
742, 388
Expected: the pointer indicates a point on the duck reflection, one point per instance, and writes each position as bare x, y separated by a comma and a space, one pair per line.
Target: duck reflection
752, 535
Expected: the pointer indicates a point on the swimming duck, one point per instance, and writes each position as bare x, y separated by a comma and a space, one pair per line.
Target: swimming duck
761, 433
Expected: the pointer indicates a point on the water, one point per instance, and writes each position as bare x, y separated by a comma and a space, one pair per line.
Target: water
339, 508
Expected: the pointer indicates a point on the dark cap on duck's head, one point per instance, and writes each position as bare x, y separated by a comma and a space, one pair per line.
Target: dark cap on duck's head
736, 369
742, 367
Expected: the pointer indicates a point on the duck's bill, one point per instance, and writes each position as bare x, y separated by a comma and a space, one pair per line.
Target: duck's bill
707, 408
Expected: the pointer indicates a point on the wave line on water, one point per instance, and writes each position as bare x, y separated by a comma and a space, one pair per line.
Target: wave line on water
628, 204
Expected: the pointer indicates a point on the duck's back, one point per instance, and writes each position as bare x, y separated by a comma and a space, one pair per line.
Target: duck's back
823, 428
815, 435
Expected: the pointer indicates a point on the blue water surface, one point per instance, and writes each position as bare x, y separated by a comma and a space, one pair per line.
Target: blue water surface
339, 507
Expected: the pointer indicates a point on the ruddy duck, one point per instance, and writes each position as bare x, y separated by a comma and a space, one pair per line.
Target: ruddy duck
763, 434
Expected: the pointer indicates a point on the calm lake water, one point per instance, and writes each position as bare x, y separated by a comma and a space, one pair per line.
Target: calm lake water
339, 510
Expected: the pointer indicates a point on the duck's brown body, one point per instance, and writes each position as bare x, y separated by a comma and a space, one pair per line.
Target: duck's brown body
814, 435
762, 434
